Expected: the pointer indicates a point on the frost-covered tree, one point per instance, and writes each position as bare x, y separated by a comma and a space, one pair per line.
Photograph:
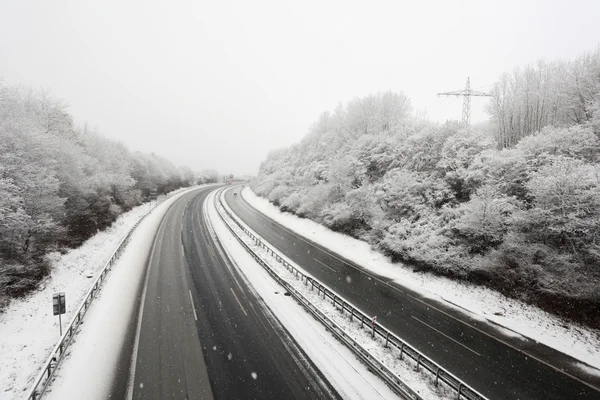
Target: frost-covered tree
518, 212
559, 93
59, 185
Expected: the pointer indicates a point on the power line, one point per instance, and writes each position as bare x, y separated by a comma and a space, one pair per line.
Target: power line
466, 93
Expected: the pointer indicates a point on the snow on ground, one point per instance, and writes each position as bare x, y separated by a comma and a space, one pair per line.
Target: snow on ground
312, 336
338, 364
575, 340
28, 330
89, 367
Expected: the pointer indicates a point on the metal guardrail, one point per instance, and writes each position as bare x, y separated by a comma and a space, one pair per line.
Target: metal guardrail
43, 379
424, 363
375, 364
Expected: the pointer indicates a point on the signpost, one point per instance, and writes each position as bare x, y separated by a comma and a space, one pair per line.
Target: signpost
59, 307
153, 193
373, 324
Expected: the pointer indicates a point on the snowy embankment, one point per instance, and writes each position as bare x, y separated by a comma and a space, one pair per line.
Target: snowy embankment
338, 364
296, 319
519, 318
28, 329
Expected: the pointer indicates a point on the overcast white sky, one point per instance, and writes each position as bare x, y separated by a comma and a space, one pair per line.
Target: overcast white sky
218, 84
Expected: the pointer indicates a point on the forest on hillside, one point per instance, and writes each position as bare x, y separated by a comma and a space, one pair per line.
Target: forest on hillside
59, 185
514, 206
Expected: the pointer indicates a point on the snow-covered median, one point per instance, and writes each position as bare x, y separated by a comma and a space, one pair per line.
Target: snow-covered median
404, 368
28, 329
577, 341
338, 364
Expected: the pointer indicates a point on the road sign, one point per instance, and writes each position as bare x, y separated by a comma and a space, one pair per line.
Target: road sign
59, 307
59, 303
153, 193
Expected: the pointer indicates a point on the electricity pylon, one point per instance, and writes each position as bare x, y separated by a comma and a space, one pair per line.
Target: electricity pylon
467, 93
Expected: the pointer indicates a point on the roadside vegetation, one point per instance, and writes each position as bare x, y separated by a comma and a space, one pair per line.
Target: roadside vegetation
59, 184
513, 204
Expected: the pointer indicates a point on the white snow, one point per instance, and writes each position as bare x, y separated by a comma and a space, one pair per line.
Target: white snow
340, 366
28, 329
588, 370
575, 340
88, 369
334, 360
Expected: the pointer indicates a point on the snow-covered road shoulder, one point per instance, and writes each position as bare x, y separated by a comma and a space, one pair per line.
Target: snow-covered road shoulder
91, 364
519, 318
28, 329
340, 366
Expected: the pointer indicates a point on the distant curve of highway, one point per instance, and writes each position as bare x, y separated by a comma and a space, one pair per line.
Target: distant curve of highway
497, 366
202, 333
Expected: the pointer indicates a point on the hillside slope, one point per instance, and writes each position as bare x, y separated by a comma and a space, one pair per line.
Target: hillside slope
524, 219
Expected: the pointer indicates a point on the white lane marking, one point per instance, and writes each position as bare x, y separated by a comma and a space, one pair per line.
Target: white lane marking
212, 253
394, 287
442, 333
238, 300
136, 343
546, 363
325, 265
193, 308
312, 244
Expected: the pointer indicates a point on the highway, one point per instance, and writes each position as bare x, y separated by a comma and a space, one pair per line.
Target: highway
201, 333
498, 366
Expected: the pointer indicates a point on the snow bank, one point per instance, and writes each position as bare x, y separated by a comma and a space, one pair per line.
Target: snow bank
89, 367
338, 364
422, 383
519, 318
28, 329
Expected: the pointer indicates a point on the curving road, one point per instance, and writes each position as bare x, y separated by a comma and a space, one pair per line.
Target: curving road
201, 333
497, 366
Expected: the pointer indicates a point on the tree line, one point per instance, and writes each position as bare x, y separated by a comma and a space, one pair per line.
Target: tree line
60, 184
521, 216
557, 93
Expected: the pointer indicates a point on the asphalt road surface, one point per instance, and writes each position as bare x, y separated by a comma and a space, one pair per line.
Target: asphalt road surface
202, 332
498, 366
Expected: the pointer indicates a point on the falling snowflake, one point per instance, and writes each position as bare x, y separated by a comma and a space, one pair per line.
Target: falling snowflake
253, 375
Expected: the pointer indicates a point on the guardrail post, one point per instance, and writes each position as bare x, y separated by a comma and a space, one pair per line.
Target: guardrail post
362, 320
418, 361
351, 314
401, 350
387, 338
437, 375
459, 390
